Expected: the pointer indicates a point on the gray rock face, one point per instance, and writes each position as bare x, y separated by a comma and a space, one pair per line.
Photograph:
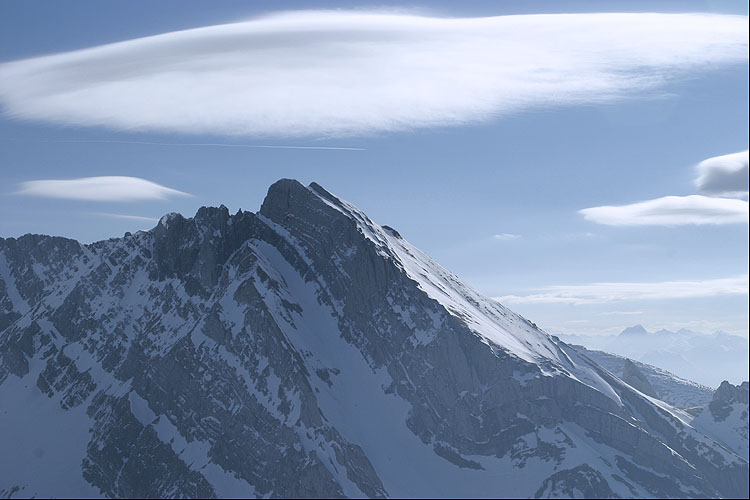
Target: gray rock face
305, 351
633, 376
728, 393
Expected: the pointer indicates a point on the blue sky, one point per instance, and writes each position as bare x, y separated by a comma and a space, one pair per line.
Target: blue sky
484, 169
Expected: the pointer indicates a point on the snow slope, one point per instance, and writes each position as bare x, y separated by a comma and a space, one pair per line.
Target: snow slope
675, 390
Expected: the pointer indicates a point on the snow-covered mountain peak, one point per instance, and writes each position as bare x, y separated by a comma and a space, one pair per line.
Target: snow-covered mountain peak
307, 351
487, 318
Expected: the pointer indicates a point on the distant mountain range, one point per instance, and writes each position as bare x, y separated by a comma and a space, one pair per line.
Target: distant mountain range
705, 358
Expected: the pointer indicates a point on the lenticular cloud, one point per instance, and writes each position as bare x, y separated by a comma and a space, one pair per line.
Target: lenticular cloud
724, 175
323, 74
106, 188
671, 211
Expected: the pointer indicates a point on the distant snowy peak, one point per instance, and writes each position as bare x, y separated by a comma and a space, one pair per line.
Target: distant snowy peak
636, 330
705, 358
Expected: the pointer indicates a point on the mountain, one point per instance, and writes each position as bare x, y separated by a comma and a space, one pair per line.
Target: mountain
725, 418
658, 383
634, 331
706, 358
306, 351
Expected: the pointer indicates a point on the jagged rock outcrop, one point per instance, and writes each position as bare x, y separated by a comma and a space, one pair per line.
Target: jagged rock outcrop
725, 418
726, 397
306, 351
729, 394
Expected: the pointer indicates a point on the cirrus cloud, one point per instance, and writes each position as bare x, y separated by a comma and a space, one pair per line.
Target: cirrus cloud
137, 218
724, 175
105, 188
597, 293
326, 73
506, 236
671, 211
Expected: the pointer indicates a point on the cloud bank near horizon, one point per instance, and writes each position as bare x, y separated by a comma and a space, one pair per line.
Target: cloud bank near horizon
599, 293
104, 188
339, 73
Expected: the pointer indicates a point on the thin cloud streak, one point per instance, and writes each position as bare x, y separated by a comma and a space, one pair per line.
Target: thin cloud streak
139, 218
104, 189
339, 73
194, 144
671, 211
621, 313
598, 293
506, 237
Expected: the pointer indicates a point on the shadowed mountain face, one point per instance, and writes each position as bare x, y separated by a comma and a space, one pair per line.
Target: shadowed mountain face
306, 351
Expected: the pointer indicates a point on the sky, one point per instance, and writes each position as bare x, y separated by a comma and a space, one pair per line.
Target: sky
587, 167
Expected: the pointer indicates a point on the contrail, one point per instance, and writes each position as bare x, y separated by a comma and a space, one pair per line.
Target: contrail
200, 144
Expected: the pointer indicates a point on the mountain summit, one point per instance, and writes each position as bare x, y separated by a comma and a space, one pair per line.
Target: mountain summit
306, 351
636, 330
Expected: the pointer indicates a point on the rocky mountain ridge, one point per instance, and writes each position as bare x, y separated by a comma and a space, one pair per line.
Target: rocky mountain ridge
306, 351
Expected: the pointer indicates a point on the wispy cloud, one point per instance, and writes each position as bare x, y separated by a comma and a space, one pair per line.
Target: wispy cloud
596, 293
724, 175
149, 220
107, 188
339, 73
621, 313
191, 144
506, 237
671, 211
